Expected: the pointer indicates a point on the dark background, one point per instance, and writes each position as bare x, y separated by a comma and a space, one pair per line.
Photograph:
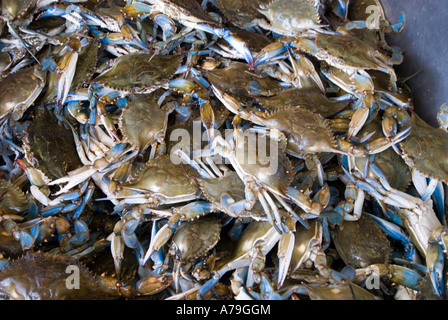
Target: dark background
425, 44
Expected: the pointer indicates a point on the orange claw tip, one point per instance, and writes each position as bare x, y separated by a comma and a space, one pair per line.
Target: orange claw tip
22, 164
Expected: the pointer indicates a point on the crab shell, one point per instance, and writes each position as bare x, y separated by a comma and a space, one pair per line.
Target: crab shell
163, 177
12, 198
389, 162
85, 66
193, 239
234, 79
312, 100
50, 147
348, 52
305, 239
357, 9
306, 132
425, 150
42, 276
274, 171
291, 17
16, 9
19, 90
213, 188
362, 243
230, 184
140, 72
254, 233
143, 122
240, 12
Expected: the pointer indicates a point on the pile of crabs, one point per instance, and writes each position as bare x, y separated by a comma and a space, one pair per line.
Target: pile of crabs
174, 149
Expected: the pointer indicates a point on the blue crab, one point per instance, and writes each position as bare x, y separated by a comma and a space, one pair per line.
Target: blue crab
193, 240
290, 18
44, 276
191, 14
362, 243
241, 13
20, 90
148, 185
424, 150
139, 72
309, 99
258, 233
143, 122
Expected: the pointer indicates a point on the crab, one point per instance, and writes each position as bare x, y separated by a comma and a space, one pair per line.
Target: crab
45, 142
45, 276
193, 240
139, 72
289, 18
359, 15
235, 79
424, 150
388, 162
361, 86
349, 70
264, 175
16, 13
87, 61
46, 168
304, 137
227, 193
382, 169
362, 243
241, 13
257, 233
309, 99
308, 250
13, 200
149, 184
255, 42
191, 14
19, 91
143, 122
345, 52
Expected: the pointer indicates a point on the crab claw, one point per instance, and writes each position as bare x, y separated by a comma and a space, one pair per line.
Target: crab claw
66, 71
267, 291
285, 249
117, 247
160, 239
435, 262
398, 27
136, 9
228, 101
271, 50
153, 285
381, 144
238, 44
435, 259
